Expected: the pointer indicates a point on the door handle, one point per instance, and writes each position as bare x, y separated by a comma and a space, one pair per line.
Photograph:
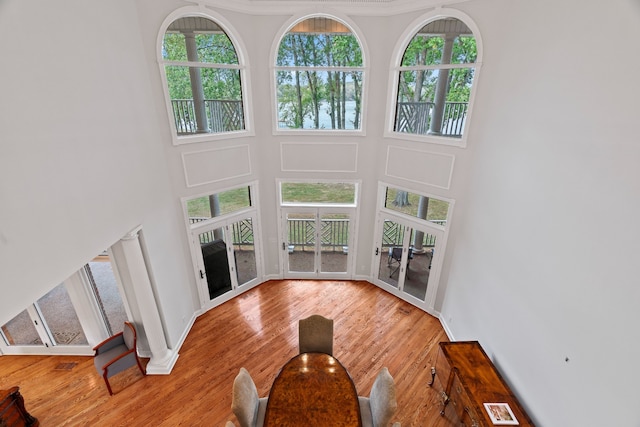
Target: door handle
377, 251
201, 274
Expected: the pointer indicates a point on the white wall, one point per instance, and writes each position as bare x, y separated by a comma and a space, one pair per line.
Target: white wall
81, 158
544, 266
539, 265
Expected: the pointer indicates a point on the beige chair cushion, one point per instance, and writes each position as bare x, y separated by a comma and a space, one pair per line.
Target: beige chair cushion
377, 409
245, 401
315, 334
365, 411
262, 409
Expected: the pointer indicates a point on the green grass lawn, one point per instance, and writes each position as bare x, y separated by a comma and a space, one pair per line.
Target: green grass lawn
437, 210
229, 201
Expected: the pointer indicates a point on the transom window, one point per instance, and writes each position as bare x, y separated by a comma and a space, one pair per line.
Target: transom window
436, 77
318, 193
203, 77
214, 205
319, 77
415, 205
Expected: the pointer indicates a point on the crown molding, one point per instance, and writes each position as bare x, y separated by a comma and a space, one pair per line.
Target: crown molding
351, 7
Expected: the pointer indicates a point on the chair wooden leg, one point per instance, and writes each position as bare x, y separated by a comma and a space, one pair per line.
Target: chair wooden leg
106, 380
140, 366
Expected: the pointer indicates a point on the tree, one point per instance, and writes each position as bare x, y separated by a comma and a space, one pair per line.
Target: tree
401, 199
218, 82
419, 85
322, 69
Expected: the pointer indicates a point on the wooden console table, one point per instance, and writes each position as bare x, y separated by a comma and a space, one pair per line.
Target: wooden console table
466, 379
12, 411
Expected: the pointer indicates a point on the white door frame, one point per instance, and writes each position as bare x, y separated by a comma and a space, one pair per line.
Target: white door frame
87, 311
225, 222
318, 211
441, 233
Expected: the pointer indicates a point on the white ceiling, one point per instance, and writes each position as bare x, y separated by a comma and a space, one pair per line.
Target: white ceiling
360, 7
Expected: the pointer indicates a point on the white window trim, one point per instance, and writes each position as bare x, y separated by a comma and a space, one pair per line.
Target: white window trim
356, 196
429, 303
382, 187
243, 66
395, 69
196, 228
336, 16
344, 207
253, 190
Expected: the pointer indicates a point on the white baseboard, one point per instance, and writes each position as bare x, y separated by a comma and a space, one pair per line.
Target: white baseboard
163, 367
446, 328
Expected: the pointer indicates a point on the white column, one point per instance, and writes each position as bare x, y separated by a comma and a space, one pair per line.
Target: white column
162, 357
440, 96
423, 207
196, 83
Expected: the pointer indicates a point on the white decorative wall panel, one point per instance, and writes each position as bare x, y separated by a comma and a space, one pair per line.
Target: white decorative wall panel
319, 157
422, 167
203, 167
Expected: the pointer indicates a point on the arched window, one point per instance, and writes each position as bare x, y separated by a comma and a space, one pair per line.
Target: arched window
319, 77
436, 76
203, 76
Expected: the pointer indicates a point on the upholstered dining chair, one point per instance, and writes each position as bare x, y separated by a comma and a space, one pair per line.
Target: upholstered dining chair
315, 334
117, 353
377, 409
248, 408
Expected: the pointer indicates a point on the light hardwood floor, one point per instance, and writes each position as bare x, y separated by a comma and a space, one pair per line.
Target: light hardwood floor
257, 330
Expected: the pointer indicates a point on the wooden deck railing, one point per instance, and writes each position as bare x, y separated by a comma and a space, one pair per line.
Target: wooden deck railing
227, 116
415, 118
222, 116
334, 233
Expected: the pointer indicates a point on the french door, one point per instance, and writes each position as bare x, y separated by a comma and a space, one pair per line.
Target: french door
226, 257
49, 322
406, 259
71, 317
316, 242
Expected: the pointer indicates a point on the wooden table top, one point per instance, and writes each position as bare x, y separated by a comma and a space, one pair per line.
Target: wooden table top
313, 389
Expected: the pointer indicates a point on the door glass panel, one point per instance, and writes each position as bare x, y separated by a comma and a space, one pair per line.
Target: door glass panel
244, 251
301, 228
415, 205
419, 264
389, 269
61, 318
21, 331
334, 243
103, 283
216, 262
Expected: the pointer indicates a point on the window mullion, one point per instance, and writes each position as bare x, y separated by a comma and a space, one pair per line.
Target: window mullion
437, 67
202, 65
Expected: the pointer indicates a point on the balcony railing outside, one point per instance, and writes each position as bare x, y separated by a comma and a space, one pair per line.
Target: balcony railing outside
222, 116
415, 118
241, 232
393, 234
334, 233
227, 116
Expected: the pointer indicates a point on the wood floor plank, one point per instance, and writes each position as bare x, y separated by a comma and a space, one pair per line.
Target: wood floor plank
257, 330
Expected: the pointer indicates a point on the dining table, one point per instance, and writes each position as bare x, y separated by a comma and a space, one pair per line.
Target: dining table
313, 389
